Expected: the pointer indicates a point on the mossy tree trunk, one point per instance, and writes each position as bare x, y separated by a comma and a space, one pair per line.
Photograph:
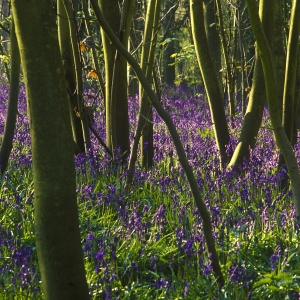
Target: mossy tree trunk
56, 216
210, 80
280, 136
147, 65
111, 12
288, 103
290, 72
253, 117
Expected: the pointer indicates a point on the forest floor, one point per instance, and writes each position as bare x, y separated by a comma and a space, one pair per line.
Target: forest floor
149, 243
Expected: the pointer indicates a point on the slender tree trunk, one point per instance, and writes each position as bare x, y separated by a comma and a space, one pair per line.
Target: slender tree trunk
279, 55
68, 64
145, 109
12, 108
210, 80
111, 12
289, 105
56, 216
239, 21
297, 100
147, 64
119, 100
207, 226
230, 90
290, 74
253, 117
168, 24
213, 39
94, 52
280, 136
79, 108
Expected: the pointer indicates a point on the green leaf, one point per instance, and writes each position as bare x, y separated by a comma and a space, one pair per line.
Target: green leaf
262, 282
5, 58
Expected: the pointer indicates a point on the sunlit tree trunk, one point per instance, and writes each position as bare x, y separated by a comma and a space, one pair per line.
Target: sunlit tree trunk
290, 73
279, 53
210, 80
280, 136
289, 105
56, 217
147, 64
12, 108
253, 117
111, 12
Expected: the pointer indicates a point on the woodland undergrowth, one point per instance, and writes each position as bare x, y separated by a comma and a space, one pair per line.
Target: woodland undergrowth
148, 243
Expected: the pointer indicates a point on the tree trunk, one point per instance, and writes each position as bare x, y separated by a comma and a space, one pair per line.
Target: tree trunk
12, 108
253, 117
68, 64
213, 39
210, 80
229, 78
119, 100
289, 105
168, 24
111, 12
56, 217
77, 60
280, 136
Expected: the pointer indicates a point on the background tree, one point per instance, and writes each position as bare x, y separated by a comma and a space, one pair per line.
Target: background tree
257, 99
56, 217
119, 102
68, 64
210, 80
213, 39
168, 23
111, 12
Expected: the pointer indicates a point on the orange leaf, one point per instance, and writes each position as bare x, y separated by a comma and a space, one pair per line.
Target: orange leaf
82, 46
92, 74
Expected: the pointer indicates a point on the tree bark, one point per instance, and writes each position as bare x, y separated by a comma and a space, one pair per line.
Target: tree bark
280, 136
119, 102
210, 80
12, 109
77, 61
56, 217
70, 77
213, 39
253, 117
110, 10
168, 23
